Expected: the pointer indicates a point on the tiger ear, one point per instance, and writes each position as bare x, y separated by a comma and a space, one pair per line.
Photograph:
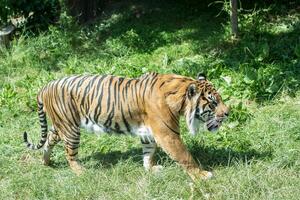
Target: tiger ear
201, 76
191, 91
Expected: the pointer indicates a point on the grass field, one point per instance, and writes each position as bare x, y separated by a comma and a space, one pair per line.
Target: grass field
255, 155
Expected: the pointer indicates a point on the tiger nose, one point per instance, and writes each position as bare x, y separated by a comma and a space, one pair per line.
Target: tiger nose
226, 112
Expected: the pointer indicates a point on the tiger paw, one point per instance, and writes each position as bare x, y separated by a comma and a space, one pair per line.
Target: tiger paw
198, 174
79, 171
77, 168
205, 175
46, 162
156, 168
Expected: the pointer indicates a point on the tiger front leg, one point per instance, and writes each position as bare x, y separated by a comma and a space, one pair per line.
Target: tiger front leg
172, 144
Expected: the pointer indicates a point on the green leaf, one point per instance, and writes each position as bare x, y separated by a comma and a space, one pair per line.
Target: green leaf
297, 50
264, 50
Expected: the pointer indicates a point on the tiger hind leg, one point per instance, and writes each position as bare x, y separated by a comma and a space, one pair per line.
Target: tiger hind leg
52, 139
149, 148
71, 141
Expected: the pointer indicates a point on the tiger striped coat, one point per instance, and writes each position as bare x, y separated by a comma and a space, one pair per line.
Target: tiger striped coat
149, 107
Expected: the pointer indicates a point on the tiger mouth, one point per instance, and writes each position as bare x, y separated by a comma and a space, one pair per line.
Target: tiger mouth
213, 125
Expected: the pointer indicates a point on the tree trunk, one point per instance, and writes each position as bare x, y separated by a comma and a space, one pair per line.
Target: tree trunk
234, 18
85, 10
5, 35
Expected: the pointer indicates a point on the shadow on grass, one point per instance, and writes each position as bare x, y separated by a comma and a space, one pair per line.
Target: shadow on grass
144, 26
207, 156
210, 157
112, 158
138, 27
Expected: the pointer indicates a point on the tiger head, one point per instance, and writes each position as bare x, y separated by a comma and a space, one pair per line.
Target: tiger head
204, 105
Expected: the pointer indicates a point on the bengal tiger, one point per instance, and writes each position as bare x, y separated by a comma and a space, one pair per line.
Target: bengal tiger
149, 107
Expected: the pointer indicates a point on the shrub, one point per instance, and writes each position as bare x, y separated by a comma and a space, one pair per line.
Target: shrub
37, 14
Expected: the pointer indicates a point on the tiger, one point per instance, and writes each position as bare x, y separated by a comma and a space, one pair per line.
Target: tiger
149, 107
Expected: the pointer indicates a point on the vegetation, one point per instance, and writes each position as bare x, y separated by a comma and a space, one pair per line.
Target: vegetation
37, 14
254, 156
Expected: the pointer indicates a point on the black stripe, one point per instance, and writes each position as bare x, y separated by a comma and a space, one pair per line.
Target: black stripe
119, 86
121, 79
62, 111
43, 120
124, 120
44, 125
59, 117
80, 83
72, 111
108, 91
154, 78
74, 154
117, 128
127, 86
99, 83
130, 113
170, 128
170, 93
145, 87
132, 91
144, 141
152, 84
108, 121
72, 81
115, 87
85, 94
172, 115
162, 84
99, 108
136, 93
42, 113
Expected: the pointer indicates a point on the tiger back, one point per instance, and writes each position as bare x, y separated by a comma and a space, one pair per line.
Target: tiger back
148, 107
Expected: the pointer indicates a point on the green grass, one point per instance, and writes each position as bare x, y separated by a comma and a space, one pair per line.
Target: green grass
259, 160
254, 156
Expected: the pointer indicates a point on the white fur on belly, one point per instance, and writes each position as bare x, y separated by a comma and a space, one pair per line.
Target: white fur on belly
142, 131
92, 127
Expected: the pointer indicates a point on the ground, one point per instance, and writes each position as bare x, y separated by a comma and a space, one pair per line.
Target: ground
255, 155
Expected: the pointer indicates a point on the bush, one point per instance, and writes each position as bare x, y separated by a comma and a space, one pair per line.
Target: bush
37, 14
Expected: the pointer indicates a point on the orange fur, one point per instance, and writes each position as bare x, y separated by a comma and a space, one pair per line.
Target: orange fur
149, 106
